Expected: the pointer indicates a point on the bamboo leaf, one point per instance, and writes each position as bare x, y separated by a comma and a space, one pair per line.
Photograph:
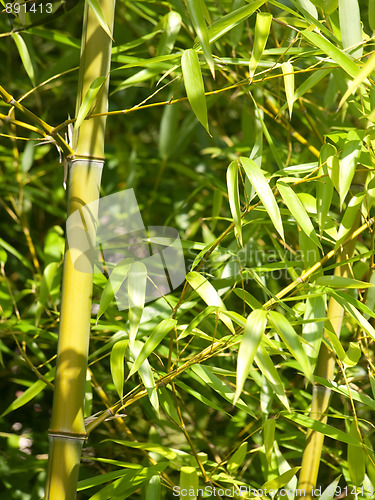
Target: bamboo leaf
348, 163
154, 488
157, 335
269, 437
324, 187
146, 374
193, 81
309, 7
280, 481
88, 100
116, 279
341, 282
208, 293
137, 282
367, 69
298, 211
291, 340
340, 57
195, 9
117, 365
25, 56
262, 30
350, 26
260, 184
330, 492
371, 14
267, 367
288, 74
234, 197
45, 288
29, 394
94, 5
171, 25
254, 329
231, 20
237, 459
356, 458
189, 482
353, 355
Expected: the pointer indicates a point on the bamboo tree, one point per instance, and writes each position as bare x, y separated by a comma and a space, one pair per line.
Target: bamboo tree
67, 430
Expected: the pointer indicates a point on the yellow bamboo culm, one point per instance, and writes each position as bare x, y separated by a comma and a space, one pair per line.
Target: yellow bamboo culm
67, 430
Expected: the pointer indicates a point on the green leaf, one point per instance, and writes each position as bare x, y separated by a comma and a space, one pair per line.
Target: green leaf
117, 365
164, 451
25, 56
171, 25
262, 30
260, 184
195, 9
237, 459
157, 335
189, 482
117, 277
298, 211
146, 374
137, 282
291, 340
353, 354
234, 197
348, 219
350, 26
254, 329
88, 100
231, 20
29, 394
367, 69
340, 57
193, 81
49, 275
208, 293
348, 163
280, 481
267, 367
95, 6
324, 186
356, 458
288, 74
330, 492
154, 488
341, 282
269, 437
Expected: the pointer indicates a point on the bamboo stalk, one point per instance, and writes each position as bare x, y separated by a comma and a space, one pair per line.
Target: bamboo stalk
67, 430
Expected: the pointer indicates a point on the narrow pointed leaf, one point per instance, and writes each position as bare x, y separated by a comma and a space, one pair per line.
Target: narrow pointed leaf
339, 56
171, 25
195, 9
356, 458
193, 80
137, 291
260, 184
117, 277
189, 482
298, 211
324, 186
262, 30
254, 329
94, 5
146, 374
280, 481
291, 340
288, 74
350, 26
234, 197
25, 56
348, 163
341, 282
237, 459
88, 100
267, 367
157, 335
208, 293
367, 69
117, 365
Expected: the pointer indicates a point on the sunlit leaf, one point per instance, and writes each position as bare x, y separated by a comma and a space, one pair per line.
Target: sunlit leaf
117, 365
118, 276
26, 59
95, 6
262, 30
237, 458
88, 100
367, 69
261, 186
137, 282
350, 26
356, 457
288, 73
194, 85
254, 329
234, 197
195, 9
189, 482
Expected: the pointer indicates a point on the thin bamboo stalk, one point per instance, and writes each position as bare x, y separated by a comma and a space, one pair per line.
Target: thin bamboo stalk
67, 430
